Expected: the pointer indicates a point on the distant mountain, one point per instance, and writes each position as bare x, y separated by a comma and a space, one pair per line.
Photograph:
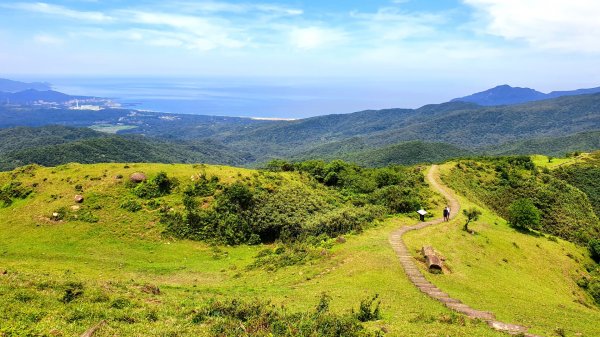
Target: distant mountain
506, 95
16, 86
31, 95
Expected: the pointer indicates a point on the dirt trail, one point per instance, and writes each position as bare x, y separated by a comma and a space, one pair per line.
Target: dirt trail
417, 278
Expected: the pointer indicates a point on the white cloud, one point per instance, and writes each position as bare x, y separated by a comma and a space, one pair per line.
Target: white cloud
47, 39
239, 8
315, 37
194, 32
571, 26
60, 11
390, 23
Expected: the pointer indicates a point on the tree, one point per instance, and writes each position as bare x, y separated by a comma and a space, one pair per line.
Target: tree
472, 214
523, 214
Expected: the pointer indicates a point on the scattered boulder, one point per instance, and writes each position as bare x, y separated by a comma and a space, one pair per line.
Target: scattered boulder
55, 216
137, 177
78, 198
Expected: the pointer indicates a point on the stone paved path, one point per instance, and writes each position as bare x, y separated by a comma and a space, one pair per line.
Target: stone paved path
417, 278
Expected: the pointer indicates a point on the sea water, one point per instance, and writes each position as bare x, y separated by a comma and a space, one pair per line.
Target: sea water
244, 97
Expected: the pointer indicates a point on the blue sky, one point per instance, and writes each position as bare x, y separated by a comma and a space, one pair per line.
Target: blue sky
438, 44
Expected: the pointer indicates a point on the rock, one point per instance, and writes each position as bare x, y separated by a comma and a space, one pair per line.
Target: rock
137, 177
75, 207
55, 216
78, 198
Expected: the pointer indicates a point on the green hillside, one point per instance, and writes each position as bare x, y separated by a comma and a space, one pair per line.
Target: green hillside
498, 182
56, 145
406, 153
585, 175
119, 256
552, 146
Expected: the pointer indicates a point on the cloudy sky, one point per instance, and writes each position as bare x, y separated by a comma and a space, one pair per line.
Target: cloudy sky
545, 44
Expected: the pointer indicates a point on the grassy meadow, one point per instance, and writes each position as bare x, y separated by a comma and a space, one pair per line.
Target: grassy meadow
59, 277
110, 267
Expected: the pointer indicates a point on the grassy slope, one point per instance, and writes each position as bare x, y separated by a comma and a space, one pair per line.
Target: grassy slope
123, 251
535, 286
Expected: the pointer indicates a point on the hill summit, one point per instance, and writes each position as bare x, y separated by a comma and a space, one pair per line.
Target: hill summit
506, 95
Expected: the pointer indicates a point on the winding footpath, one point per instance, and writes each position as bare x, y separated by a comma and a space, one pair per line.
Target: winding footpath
417, 278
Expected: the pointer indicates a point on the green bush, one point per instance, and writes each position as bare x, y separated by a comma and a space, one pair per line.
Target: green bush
268, 207
236, 318
131, 205
158, 186
203, 187
369, 309
594, 247
523, 214
13, 190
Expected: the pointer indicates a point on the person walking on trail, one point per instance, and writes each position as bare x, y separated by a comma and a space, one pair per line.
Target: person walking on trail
447, 213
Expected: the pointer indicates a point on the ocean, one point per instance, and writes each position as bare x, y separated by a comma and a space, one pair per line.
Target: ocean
261, 98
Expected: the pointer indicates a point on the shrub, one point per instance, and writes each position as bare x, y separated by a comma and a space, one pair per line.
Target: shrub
236, 318
73, 290
203, 187
594, 247
158, 186
11, 191
369, 309
472, 214
523, 214
131, 205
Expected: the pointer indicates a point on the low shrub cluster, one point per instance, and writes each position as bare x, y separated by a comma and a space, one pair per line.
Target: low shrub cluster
13, 190
158, 186
321, 199
259, 318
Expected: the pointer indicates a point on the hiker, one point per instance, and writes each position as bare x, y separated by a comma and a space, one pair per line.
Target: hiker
447, 213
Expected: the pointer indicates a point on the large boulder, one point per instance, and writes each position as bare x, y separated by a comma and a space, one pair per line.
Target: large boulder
78, 198
137, 177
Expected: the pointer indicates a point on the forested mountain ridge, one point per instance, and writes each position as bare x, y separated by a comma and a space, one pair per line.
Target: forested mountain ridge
463, 125
55, 145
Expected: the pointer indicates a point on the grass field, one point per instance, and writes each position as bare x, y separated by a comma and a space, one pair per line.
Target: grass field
116, 257
551, 162
118, 260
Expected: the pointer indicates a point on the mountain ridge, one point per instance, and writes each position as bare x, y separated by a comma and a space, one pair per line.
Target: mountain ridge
507, 95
